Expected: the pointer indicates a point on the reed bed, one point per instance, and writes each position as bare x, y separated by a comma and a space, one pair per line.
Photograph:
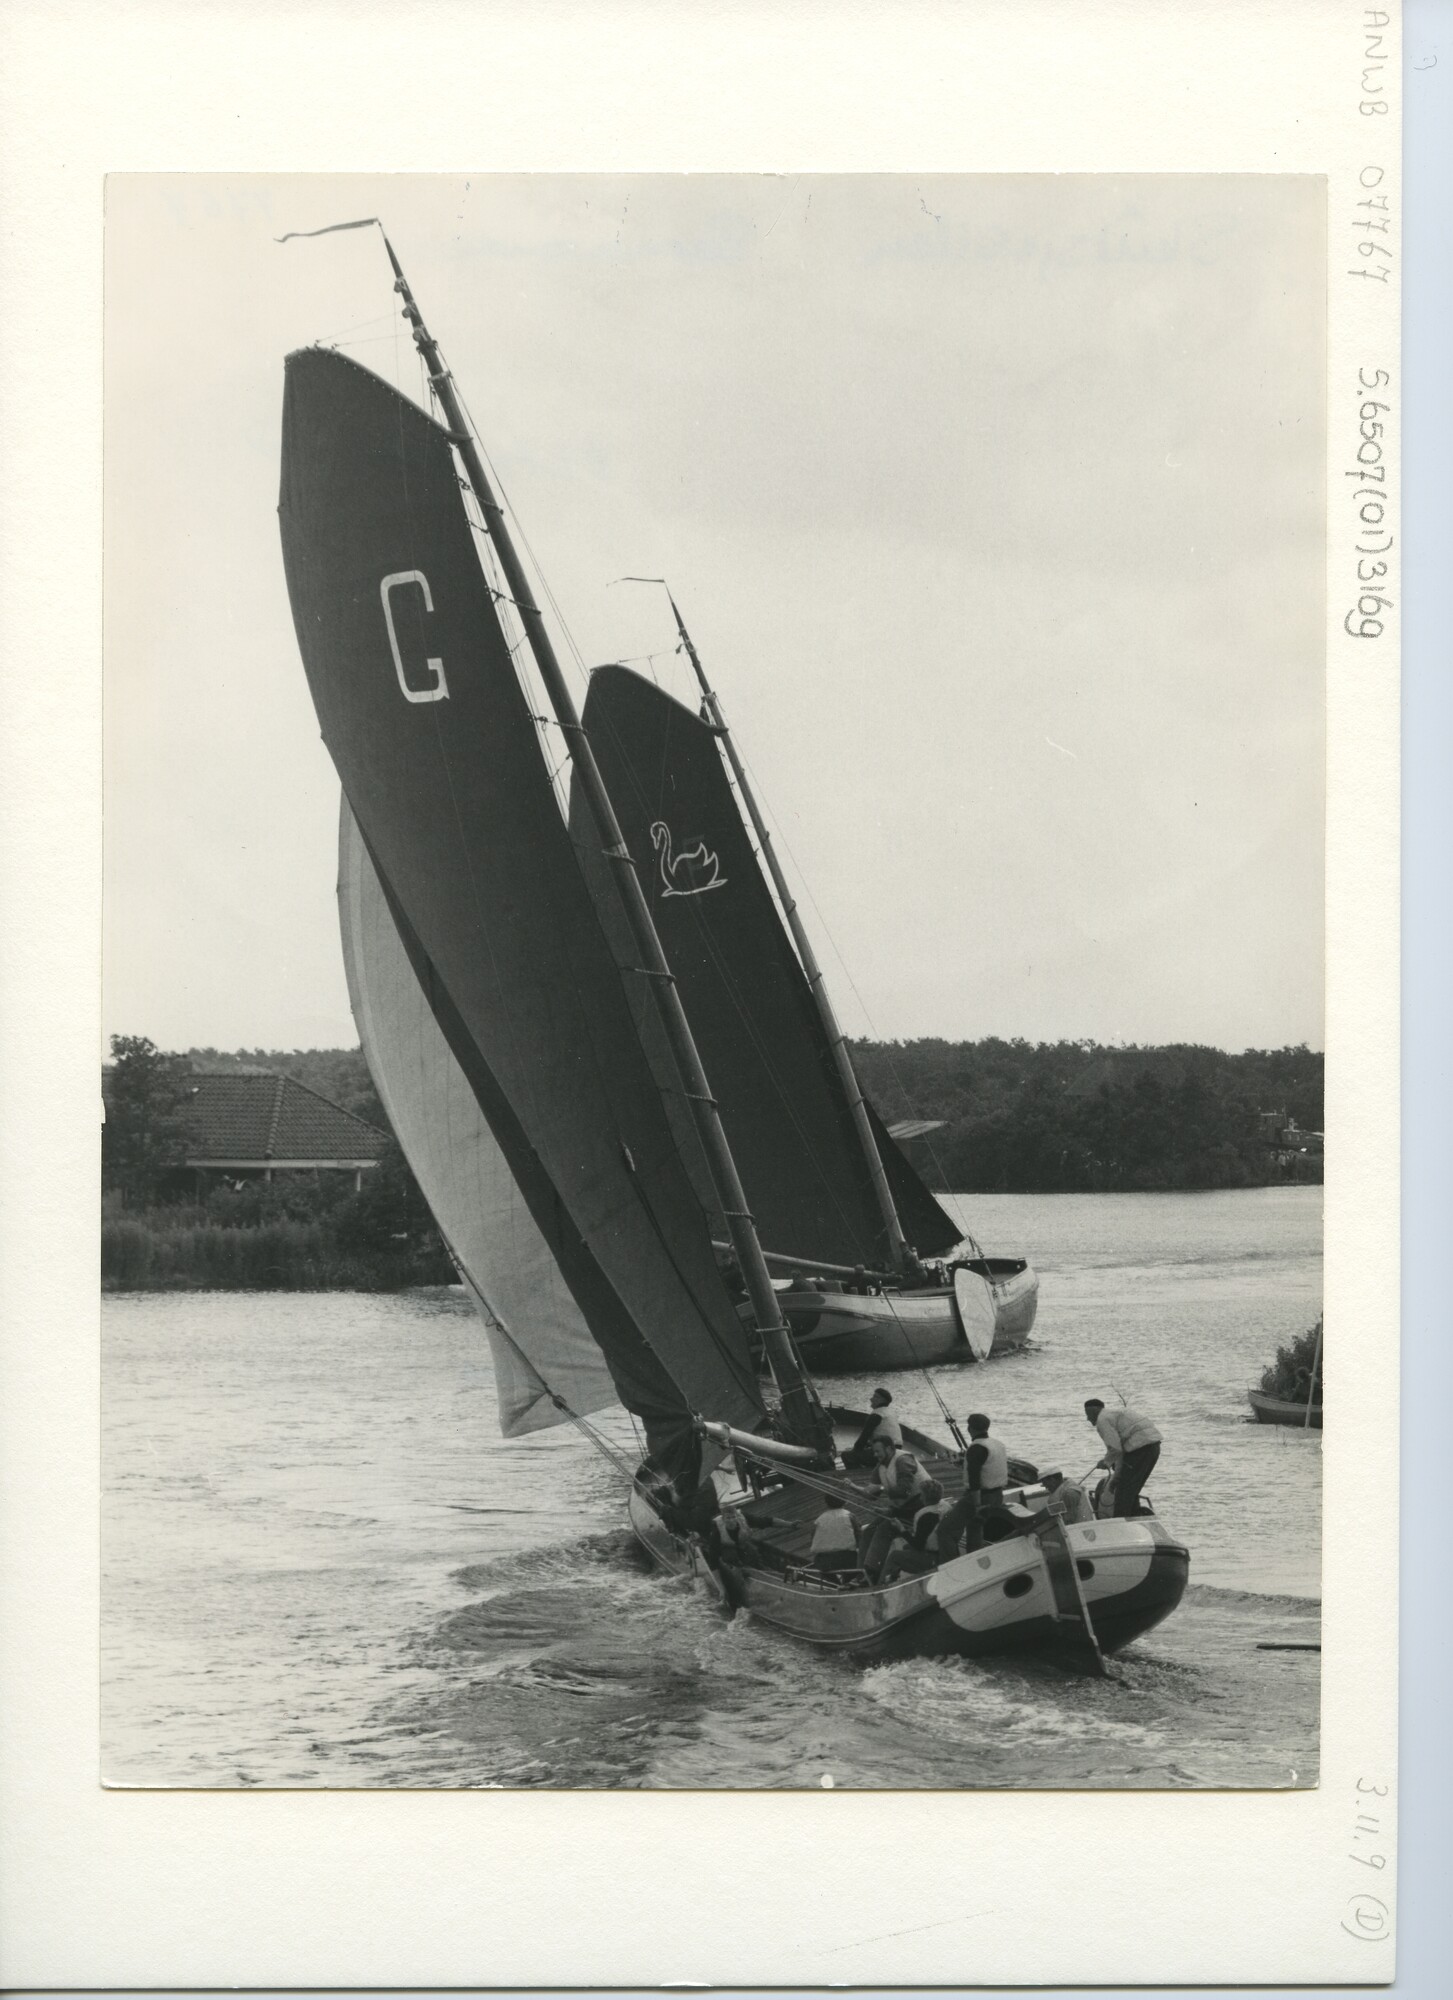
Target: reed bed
180, 1251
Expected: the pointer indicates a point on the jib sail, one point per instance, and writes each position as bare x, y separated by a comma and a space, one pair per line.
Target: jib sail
541, 1344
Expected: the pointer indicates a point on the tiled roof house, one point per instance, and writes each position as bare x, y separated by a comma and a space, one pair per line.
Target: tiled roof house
254, 1120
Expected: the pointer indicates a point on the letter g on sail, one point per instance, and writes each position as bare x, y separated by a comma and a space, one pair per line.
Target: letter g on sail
440, 690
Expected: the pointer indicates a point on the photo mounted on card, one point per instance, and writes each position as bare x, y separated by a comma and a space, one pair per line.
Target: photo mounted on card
716, 858
749, 1017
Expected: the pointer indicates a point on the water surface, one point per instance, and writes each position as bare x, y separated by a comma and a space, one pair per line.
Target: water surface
323, 1566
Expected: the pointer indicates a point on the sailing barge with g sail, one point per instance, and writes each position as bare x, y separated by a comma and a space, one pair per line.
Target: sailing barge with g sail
528, 1036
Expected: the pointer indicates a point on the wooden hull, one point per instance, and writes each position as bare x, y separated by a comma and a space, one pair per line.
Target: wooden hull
997, 1600
845, 1333
1277, 1410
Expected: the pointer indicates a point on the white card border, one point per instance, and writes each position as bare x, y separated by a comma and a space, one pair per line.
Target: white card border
505, 1889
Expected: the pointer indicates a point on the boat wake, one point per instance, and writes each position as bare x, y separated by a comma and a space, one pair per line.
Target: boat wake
575, 1665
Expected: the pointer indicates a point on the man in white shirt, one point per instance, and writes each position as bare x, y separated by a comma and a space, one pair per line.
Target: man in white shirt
1132, 1448
882, 1423
834, 1539
903, 1487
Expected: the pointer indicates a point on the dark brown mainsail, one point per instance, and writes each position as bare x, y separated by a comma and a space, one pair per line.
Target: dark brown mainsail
421, 708
744, 989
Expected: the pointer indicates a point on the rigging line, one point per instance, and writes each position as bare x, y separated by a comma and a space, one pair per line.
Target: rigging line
748, 1384
729, 1360
587, 1429
843, 966
482, 928
364, 340
922, 1366
501, 600
535, 564
377, 320
524, 666
755, 1039
852, 1497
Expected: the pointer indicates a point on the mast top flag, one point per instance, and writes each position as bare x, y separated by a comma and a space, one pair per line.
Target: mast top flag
332, 229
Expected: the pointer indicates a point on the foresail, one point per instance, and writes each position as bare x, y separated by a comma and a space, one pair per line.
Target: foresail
750, 1007
424, 716
538, 1335
926, 1223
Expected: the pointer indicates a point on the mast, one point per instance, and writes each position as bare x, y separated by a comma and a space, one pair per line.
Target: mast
903, 1258
799, 1400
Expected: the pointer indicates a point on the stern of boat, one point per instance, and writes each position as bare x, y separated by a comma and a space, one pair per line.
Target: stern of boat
1131, 1575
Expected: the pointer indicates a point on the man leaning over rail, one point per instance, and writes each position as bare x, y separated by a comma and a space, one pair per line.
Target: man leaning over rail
1133, 1447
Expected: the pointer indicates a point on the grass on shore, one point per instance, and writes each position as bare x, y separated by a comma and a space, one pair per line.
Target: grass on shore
180, 1251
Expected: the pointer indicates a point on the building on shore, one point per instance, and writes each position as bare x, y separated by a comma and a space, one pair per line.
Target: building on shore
247, 1123
254, 1123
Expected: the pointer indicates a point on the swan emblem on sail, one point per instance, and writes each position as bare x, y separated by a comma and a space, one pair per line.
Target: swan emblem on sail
690, 873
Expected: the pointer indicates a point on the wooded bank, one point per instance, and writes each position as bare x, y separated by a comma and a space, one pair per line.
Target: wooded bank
1035, 1118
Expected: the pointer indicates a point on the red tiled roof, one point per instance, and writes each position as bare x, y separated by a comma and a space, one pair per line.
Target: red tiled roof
247, 1116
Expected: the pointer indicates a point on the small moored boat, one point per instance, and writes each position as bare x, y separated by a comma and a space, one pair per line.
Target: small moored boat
1290, 1392
1279, 1410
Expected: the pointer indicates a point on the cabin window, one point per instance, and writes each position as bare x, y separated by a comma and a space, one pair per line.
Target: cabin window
1018, 1586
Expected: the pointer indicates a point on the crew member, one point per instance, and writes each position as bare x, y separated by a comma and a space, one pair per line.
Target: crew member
738, 1541
915, 1557
903, 1487
834, 1539
986, 1473
1132, 1448
882, 1423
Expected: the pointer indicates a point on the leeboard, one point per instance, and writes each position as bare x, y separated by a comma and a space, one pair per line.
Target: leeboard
974, 1303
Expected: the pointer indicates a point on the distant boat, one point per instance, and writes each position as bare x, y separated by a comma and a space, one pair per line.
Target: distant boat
871, 1254
528, 1037
1279, 1410
846, 1333
1304, 1409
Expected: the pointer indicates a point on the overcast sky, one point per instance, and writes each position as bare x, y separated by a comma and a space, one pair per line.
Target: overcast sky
994, 505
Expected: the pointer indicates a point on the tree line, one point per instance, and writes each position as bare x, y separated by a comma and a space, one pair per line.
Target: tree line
1018, 1118
1078, 1117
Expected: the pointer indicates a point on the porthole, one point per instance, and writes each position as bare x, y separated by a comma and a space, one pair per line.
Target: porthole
1018, 1586
1085, 1567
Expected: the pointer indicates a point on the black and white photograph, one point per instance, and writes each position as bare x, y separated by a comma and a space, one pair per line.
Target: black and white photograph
714, 981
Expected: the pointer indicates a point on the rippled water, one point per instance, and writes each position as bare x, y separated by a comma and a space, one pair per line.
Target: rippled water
323, 1566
